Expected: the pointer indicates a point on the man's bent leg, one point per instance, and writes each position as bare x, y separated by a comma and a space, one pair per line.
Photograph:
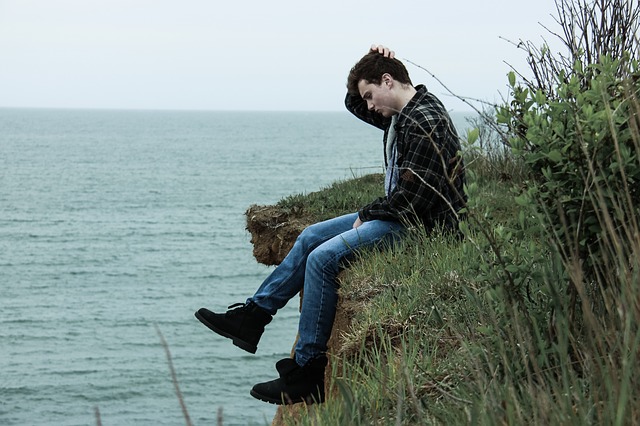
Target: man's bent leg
302, 378
320, 287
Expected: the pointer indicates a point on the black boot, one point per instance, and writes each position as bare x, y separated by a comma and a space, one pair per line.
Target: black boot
296, 384
243, 323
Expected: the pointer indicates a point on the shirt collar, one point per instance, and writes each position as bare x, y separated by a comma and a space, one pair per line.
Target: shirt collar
421, 91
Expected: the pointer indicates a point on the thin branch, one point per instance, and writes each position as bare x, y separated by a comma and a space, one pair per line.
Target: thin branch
465, 100
174, 377
97, 414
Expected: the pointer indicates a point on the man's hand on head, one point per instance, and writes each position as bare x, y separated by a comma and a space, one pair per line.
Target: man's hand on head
383, 50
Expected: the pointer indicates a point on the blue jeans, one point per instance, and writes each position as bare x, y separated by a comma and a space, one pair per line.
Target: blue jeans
313, 263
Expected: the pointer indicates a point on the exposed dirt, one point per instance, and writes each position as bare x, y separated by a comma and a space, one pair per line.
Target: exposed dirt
273, 231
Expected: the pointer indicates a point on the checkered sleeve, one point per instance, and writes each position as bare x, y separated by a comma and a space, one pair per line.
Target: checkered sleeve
358, 107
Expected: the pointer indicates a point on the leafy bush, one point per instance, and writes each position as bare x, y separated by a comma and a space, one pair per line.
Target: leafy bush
582, 149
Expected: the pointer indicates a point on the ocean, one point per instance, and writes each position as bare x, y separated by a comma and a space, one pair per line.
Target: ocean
116, 224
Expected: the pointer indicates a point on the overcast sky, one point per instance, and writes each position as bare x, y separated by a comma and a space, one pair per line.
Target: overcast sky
289, 55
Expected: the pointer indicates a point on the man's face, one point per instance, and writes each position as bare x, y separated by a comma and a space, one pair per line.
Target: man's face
379, 98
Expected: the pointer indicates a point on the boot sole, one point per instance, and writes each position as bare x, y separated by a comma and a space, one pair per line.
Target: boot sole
284, 401
236, 341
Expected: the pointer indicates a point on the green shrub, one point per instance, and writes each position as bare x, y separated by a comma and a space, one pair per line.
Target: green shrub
582, 150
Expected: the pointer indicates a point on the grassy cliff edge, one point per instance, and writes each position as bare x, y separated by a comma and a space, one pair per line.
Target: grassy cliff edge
393, 304
435, 331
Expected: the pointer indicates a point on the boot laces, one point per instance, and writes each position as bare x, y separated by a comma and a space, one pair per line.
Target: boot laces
238, 308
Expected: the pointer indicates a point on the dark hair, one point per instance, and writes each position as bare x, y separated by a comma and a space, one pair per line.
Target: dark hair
371, 68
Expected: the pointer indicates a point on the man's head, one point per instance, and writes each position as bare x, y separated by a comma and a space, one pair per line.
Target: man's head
381, 81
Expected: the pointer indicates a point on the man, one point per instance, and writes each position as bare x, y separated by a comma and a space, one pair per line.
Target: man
423, 186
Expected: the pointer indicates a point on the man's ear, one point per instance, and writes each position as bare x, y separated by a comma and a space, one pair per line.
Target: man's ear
387, 79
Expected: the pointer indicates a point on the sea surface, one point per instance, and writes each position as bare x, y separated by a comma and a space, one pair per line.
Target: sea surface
116, 226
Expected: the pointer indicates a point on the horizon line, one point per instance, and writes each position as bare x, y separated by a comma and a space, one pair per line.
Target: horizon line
133, 109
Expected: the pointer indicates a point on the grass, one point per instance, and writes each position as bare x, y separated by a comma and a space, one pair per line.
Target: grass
472, 332
341, 197
437, 336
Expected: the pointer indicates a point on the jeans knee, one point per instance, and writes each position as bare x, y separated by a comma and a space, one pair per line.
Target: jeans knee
323, 261
308, 237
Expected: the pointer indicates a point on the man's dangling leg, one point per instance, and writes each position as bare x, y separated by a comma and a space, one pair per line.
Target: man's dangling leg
244, 323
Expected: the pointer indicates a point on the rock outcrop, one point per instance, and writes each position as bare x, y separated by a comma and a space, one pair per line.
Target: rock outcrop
273, 231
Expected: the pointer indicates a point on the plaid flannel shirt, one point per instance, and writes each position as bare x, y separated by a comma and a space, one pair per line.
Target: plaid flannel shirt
430, 168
